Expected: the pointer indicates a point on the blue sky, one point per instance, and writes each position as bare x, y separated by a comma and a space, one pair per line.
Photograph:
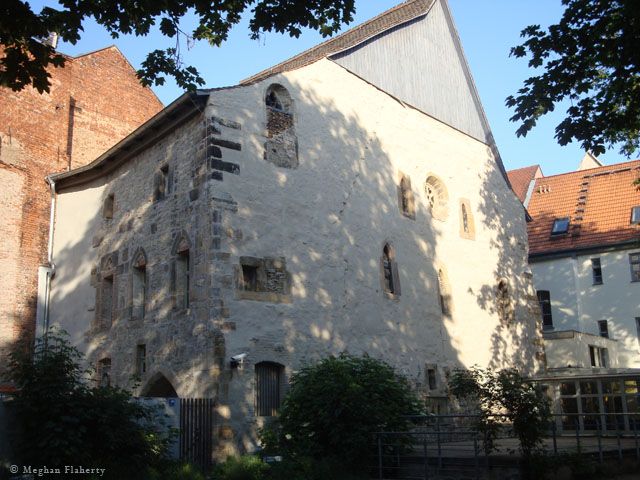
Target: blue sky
487, 28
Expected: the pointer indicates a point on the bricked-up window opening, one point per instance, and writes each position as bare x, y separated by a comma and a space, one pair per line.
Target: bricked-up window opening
388, 270
107, 306
250, 277
161, 183
635, 214
182, 280
407, 206
104, 372
141, 359
139, 289
603, 328
269, 386
444, 294
544, 298
432, 380
560, 226
634, 264
596, 271
109, 203
504, 308
279, 114
599, 356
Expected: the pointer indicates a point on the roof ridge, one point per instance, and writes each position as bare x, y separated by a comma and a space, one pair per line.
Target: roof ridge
615, 167
350, 38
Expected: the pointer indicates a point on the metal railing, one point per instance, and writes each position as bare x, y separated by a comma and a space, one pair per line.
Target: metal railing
456, 446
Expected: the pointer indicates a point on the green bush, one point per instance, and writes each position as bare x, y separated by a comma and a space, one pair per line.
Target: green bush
173, 470
247, 467
65, 421
334, 408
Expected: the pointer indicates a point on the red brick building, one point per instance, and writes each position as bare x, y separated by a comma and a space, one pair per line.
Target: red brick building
94, 102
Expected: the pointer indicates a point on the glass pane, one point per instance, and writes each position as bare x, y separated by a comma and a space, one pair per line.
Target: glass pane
568, 388
631, 386
613, 404
590, 405
611, 387
589, 388
570, 409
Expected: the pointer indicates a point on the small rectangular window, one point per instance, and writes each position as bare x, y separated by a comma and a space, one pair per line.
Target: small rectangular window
596, 271
104, 372
603, 327
141, 359
634, 264
139, 289
598, 356
544, 298
108, 207
560, 226
635, 214
432, 379
107, 302
250, 277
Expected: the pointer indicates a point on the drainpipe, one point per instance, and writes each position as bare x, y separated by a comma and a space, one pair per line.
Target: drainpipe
46, 272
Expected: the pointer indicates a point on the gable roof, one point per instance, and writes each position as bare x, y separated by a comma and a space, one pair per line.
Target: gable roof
598, 203
403, 13
521, 178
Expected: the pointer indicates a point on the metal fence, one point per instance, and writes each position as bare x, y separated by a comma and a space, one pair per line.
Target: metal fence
455, 446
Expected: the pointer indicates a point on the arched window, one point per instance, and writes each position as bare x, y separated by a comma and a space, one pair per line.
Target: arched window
503, 302
269, 388
437, 197
390, 280
444, 293
138, 285
281, 147
405, 195
467, 227
181, 271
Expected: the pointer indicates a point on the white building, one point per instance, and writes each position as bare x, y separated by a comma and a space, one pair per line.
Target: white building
349, 199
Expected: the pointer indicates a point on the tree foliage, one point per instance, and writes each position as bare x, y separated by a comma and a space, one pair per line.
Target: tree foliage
26, 57
591, 58
63, 420
504, 395
335, 406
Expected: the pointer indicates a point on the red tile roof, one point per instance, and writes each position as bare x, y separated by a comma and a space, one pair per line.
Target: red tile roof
598, 202
520, 180
393, 17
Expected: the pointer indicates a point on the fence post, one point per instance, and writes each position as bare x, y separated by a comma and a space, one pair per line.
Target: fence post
578, 434
379, 456
439, 445
426, 463
554, 427
599, 433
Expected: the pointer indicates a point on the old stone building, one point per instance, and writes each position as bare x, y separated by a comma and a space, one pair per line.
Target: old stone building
349, 199
95, 101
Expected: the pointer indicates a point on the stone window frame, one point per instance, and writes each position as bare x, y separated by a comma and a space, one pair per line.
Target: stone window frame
445, 298
281, 146
162, 182
437, 197
262, 265
109, 206
182, 254
389, 276
504, 302
270, 406
141, 359
406, 200
139, 262
467, 222
544, 300
108, 277
103, 368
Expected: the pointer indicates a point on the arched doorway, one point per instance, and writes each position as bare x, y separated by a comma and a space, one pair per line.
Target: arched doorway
159, 386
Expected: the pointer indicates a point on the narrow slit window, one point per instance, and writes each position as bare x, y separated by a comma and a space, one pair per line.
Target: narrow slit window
108, 207
250, 277
465, 219
139, 289
388, 270
107, 301
141, 359
596, 271
432, 380
182, 279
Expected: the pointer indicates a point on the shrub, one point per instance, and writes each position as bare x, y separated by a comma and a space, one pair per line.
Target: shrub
335, 406
505, 393
247, 467
65, 421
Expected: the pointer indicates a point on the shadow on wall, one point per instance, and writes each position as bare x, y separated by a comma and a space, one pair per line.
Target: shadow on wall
330, 218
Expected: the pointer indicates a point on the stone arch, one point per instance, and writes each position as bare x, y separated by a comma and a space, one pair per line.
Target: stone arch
159, 386
181, 243
281, 147
437, 197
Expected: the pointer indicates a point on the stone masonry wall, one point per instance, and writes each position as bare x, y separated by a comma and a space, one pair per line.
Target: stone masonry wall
95, 101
